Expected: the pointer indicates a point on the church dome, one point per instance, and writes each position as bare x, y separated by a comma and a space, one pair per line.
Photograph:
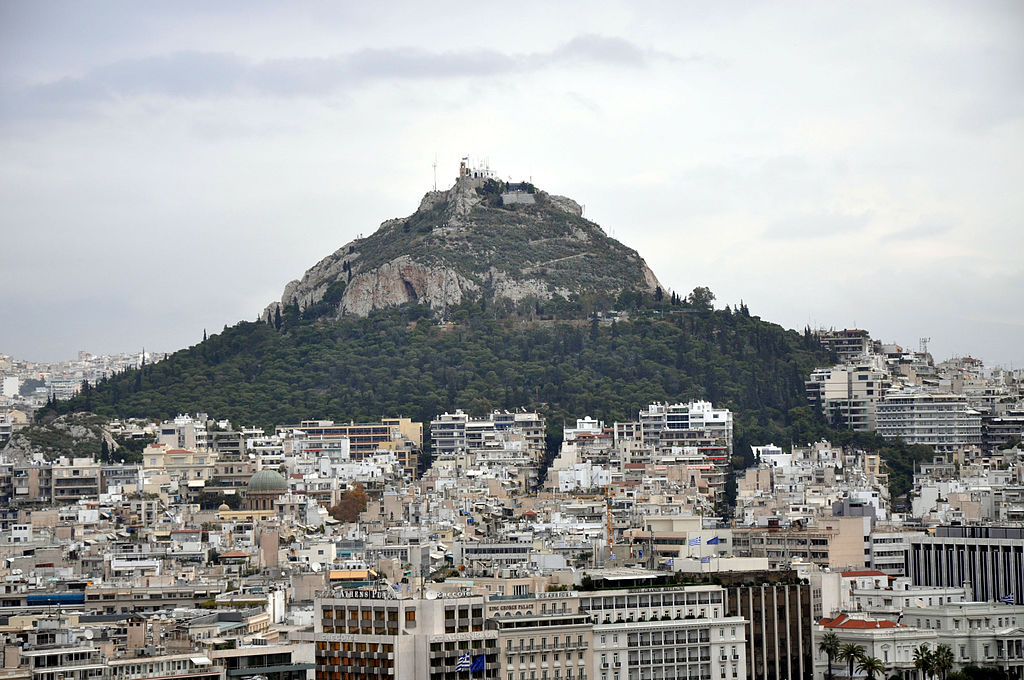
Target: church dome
224, 507
267, 481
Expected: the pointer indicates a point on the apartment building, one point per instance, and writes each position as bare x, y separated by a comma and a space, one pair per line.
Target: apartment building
364, 634
837, 542
402, 436
848, 343
847, 394
116, 599
79, 662
190, 666
942, 421
76, 479
694, 434
459, 431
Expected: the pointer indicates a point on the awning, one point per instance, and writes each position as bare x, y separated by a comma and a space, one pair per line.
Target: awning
195, 483
200, 660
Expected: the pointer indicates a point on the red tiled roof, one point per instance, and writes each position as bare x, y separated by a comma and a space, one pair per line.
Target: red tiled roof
844, 621
865, 572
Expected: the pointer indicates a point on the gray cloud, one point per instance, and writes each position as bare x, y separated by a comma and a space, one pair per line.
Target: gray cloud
191, 74
923, 230
822, 225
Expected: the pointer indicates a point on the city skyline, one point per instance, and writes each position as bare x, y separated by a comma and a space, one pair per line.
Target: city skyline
169, 171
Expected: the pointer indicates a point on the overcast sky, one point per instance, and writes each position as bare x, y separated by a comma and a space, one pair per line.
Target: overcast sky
166, 168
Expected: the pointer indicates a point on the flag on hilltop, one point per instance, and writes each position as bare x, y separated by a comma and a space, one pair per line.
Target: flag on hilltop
479, 664
464, 662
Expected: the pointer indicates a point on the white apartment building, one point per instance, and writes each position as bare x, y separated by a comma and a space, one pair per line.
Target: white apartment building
459, 431
942, 421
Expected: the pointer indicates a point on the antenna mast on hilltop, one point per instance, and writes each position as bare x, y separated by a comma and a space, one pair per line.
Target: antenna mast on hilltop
435, 172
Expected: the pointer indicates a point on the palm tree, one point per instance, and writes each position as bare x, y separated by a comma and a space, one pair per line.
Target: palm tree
924, 661
870, 665
829, 646
943, 660
851, 653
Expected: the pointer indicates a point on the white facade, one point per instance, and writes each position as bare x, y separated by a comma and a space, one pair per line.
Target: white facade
942, 421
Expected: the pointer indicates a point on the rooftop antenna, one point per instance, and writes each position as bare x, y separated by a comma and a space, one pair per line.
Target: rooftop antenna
924, 345
435, 171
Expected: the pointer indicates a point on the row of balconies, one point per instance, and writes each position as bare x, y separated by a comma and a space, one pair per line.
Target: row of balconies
533, 665
547, 647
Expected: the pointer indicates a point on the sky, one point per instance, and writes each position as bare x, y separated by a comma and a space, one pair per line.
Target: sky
167, 168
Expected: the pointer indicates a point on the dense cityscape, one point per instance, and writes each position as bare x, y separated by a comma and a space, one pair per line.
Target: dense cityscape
538, 341
197, 547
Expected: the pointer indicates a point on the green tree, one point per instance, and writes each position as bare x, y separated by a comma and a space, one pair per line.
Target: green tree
871, 665
943, 660
829, 646
924, 661
850, 653
701, 298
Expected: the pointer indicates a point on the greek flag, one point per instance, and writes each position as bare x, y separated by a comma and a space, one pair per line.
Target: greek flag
671, 561
695, 541
1008, 599
713, 541
611, 556
463, 663
705, 560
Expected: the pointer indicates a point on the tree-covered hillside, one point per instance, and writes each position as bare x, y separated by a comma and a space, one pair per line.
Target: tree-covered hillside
403, 362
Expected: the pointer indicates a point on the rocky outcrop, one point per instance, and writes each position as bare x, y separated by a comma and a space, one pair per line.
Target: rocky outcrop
467, 241
400, 281
74, 434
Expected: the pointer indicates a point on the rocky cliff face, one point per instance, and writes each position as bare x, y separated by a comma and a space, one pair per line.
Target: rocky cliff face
479, 238
74, 434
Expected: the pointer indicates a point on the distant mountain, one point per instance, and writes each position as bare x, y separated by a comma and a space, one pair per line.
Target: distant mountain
508, 244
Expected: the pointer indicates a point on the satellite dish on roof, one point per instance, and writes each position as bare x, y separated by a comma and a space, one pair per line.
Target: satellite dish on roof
89, 635
315, 566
